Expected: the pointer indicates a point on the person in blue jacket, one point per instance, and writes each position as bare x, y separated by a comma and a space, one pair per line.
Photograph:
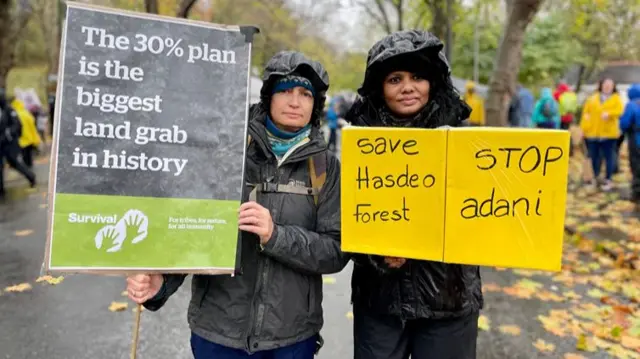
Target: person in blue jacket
546, 114
630, 126
332, 122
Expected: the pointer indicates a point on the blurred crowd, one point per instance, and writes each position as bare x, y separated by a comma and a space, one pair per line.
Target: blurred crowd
23, 125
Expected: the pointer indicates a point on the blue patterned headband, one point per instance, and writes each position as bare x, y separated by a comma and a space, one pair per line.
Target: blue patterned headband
292, 81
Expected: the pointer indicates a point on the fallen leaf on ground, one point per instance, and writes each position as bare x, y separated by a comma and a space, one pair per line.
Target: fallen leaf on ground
573, 356
51, 280
510, 329
529, 284
547, 296
596, 293
124, 293
23, 233
543, 346
553, 324
630, 342
586, 344
18, 288
349, 315
524, 272
571, 295
328, 280
491, 287
118, 306
617, 351
483, 323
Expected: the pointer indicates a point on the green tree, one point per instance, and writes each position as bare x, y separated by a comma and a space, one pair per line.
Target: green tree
548, 51
488, 37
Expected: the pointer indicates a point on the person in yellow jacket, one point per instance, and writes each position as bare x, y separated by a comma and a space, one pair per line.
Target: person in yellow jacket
476, 103
29, 140
600, 128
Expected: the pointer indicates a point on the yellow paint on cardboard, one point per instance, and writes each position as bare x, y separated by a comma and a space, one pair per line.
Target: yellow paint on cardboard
506, 195
399, 210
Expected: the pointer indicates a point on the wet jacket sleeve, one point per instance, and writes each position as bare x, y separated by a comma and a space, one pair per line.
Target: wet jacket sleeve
626, 120
614, 107
314, 252
170, 285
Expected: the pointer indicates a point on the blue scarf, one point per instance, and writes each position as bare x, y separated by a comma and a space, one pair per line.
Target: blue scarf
282, 141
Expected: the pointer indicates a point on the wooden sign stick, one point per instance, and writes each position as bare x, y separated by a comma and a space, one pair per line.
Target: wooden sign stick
136, 332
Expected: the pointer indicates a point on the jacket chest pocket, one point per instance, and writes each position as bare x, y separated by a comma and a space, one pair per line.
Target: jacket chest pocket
276, 193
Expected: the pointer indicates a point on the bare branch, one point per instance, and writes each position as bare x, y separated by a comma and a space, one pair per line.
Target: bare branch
386, 21
185, 8
399, 11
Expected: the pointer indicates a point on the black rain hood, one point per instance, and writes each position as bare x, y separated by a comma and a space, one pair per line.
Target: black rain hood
286, 63
417, 52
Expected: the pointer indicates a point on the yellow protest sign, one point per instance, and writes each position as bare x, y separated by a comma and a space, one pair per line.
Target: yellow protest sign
497, 198
506, 195
393, 189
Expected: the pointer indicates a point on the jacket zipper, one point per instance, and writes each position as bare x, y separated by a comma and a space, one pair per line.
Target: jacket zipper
256, 315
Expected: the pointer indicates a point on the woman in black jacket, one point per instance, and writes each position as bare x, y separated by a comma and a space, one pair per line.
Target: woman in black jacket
403, 307
290, 224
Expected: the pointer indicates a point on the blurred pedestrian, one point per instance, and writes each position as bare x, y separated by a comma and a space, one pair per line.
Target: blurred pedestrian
332, 121
476, 102
521, 108
568, 102
30, 140
10, 130
601, 129
630, 126
546, 113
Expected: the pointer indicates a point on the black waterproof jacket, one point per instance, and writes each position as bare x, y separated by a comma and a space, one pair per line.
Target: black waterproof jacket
419, 289
277, 300
10, 126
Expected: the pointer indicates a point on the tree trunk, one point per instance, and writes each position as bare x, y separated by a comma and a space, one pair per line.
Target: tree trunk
50, 26
6, 48
151, 6
503, 81
10, 27
439, 18
449, 40
185, 8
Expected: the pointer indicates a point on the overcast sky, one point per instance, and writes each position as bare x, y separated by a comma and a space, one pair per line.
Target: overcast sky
344, 26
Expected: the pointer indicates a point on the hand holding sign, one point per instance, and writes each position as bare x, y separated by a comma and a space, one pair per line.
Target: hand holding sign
395, 262
256, 219
142, 287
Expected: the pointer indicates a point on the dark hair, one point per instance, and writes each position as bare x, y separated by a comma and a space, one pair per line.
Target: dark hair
615, 85
445, 106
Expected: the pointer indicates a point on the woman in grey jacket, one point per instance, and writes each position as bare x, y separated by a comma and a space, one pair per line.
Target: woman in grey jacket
290, 231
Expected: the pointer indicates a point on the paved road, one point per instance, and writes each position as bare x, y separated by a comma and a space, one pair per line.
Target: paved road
71, 320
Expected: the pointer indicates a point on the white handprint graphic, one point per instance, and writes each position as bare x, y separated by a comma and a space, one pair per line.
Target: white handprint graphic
134, 224
110, 233
138, 222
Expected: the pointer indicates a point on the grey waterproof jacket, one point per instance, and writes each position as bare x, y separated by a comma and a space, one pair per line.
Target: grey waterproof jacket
277, 299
